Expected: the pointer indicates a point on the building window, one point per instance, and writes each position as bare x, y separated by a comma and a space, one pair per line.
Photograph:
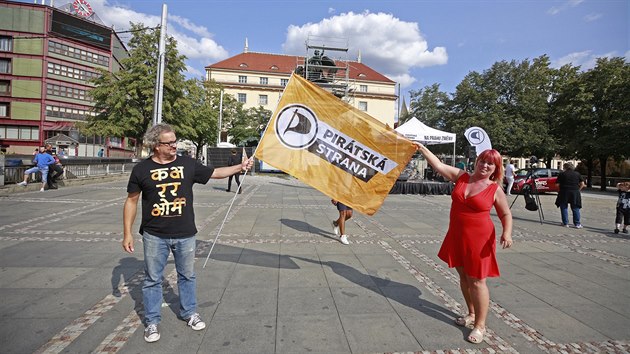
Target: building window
63, 91
264, 81
242, 79
73, 73
21, 132
5, 87
362, 88
363, 106
77, 53
12, 132
242, 97
262, 100
68, 113
6, 44
284, 82
5, 65
4, 109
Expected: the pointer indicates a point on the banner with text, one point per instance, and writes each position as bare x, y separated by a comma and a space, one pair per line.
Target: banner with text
332, 146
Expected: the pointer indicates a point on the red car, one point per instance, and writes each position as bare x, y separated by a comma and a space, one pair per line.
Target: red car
545, 179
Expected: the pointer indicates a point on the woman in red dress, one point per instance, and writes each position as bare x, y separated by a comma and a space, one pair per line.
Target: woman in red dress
470, 244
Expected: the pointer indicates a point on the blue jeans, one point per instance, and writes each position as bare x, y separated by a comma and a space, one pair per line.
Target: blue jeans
156, 250
43, 170
564, 212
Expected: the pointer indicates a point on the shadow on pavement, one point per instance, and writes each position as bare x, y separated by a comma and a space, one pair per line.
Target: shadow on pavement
302, 226
253, 257
125, 271
402, 293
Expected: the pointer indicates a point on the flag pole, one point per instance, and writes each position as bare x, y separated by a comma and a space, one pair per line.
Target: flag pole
238, 189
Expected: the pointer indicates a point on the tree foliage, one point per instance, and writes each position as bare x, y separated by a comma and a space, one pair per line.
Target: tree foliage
124, 100
248, 127
529, 108
200, 117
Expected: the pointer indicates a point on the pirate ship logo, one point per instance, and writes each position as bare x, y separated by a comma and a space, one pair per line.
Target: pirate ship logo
296, 126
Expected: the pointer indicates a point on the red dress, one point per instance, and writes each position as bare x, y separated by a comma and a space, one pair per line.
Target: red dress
470, 240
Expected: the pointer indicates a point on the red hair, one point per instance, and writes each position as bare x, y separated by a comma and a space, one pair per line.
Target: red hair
493, 156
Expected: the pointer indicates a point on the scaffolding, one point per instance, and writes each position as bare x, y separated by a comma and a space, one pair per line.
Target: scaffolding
326, 64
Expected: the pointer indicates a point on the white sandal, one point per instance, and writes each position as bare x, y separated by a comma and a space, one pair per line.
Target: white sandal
466, 321
476, 336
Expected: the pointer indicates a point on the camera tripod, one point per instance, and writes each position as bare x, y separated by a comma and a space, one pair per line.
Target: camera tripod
531, 202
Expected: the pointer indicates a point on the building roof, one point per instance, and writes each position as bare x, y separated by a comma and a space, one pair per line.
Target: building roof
286, 64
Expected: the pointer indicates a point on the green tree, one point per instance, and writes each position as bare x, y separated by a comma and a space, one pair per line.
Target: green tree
510, 102
200, 119
429, 105
609, 87
248, 127
124, 100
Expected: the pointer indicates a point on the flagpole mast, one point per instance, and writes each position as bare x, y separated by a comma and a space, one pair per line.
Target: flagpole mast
159, 81
220, 117
239, 186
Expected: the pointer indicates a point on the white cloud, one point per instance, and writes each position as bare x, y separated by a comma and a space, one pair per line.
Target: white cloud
387, 44
194, 41
586, 59
195, 72
184, 22
568, 4
592, 17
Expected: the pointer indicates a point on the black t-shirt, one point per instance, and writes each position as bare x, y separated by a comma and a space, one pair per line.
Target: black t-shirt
167, 197
234, 159
569, 180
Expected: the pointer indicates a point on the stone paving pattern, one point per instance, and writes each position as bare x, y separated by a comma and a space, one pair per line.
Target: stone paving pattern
278, 281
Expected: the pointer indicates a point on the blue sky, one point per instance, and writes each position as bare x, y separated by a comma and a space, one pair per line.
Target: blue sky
413, 42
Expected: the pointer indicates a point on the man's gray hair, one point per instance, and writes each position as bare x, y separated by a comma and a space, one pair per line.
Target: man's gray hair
152, 136
568, 166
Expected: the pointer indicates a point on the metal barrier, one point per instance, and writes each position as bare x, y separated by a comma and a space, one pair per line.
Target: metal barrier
74, 169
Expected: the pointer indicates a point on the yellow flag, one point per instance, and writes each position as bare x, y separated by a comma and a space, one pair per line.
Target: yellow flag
333, 147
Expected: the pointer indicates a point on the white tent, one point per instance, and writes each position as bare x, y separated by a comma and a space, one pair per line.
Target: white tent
415, 130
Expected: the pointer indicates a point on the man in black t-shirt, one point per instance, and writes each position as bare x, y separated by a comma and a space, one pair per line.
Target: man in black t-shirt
165, 182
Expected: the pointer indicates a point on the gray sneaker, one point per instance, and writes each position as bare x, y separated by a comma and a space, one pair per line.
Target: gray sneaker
196, 323
23, 184
151, 333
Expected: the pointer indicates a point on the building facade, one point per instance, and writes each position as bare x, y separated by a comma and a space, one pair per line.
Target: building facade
258, 79
47, 58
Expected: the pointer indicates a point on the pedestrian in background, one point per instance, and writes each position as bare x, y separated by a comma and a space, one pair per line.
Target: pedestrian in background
623, 207
571, 183
339, 225
234, 159
469, 244
509, 176
42, 160
55, 170
460, 164
165, 182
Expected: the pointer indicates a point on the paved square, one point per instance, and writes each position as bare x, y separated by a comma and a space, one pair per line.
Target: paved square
278, 280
